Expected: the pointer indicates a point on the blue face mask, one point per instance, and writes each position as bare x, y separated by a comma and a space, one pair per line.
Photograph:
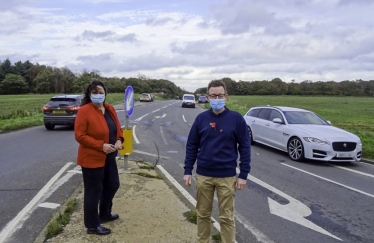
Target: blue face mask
97, 98
217, 104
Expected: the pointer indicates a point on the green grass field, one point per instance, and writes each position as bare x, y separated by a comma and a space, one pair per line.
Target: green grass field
353, 114
22, 111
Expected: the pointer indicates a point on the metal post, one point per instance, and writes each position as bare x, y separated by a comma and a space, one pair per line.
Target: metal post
126, 157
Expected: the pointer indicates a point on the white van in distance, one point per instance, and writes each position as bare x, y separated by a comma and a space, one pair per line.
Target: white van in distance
188, 100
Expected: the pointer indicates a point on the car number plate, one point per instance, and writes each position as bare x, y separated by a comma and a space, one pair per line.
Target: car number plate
58, 112
343, 155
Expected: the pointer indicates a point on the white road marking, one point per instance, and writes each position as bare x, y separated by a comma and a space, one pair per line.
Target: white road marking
295, 211
261, 237
75, 171
12, 224
163, 136
184, 119
145, 153
185, 193
159, 116
49, 205
337, 183
354, 171
134, 135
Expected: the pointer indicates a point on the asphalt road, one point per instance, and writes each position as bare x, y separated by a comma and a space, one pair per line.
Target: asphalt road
285, 201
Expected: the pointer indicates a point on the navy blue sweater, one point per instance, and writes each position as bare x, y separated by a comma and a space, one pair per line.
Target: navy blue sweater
214, 142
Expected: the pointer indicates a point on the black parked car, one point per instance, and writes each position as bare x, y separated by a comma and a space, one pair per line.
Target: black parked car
61, 110
202, 99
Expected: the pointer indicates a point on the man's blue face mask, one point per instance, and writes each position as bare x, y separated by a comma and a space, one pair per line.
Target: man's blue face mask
217, 104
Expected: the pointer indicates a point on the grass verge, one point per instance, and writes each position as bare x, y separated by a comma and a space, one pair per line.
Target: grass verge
56, 226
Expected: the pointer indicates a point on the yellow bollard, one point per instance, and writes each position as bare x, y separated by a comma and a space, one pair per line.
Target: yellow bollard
127, 144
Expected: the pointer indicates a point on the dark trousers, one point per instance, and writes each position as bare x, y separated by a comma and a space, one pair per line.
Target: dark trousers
100, 186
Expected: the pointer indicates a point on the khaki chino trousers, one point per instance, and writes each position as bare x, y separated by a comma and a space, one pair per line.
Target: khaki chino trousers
225, 188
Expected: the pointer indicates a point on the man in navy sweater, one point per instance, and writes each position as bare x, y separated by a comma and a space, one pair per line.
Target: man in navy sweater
215, 138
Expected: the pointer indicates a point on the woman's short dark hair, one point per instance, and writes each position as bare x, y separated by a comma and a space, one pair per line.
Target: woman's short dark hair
92, 87
217, 83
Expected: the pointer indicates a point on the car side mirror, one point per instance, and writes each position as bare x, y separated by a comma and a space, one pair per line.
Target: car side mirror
328, 122
277, 120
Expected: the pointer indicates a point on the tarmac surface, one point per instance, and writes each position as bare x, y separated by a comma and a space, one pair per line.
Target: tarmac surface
151, 210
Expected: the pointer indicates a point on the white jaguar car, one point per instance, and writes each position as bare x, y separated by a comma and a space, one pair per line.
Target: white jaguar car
301, 133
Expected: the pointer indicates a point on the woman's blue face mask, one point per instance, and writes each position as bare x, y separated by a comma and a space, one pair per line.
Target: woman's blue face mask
97, 98
217, 104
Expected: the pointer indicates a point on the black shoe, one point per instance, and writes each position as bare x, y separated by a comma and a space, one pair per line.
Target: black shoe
110, 218
99, 230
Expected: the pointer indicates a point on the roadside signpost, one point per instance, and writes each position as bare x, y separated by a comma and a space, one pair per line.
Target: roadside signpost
127, 132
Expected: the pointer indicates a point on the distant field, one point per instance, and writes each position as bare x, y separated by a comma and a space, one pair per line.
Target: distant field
354, 114
21, 111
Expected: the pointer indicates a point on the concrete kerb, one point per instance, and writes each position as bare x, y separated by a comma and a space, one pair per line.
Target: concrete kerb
182, 193
368, 161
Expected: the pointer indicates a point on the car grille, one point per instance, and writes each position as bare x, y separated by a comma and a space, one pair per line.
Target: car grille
343, 146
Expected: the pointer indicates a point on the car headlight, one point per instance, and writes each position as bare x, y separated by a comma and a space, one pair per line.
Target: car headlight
315, 140
359, 143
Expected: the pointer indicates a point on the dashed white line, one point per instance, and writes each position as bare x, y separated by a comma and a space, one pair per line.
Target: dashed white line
163, 136
337, 183
184, 119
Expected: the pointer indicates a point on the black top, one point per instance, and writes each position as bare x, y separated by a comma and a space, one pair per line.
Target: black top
112, 134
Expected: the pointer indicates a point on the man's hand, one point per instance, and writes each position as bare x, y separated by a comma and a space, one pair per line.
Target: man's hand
187, 180
240, 184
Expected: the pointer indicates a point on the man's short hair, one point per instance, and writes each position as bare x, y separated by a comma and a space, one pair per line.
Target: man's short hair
217, 83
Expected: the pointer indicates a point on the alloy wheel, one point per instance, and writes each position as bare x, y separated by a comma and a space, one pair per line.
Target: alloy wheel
295, 149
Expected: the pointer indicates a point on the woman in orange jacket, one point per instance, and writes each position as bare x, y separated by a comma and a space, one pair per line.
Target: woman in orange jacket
99, 134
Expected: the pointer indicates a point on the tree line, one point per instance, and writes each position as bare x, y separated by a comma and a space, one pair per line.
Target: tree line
26, 77
276, 86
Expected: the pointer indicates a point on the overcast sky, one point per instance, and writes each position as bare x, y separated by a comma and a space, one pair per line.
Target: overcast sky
191, 42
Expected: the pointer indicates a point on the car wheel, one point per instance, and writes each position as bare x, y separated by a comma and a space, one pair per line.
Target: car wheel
49, 126
251, 135
295, 149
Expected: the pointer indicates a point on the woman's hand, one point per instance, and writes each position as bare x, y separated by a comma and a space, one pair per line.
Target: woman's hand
118, 145
108, 148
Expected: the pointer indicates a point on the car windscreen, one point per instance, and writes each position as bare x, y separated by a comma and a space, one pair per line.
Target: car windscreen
62, 101
145, 95
202, 98
188, 98
302, 117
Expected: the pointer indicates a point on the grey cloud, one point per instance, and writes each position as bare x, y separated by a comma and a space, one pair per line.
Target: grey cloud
158, 21
14, 4
240, 16
152, 62
181, 72
91, 35
127, 38
348, 2
108, 36
103, 63
15, 57
90, 58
